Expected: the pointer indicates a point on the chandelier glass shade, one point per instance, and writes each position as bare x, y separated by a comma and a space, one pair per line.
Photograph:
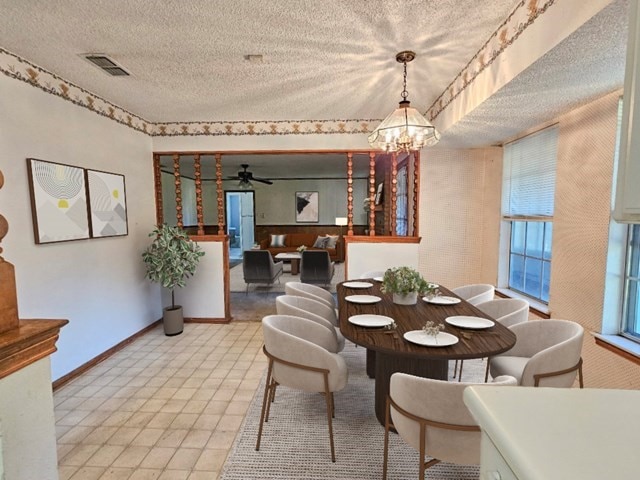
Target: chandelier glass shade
405, 129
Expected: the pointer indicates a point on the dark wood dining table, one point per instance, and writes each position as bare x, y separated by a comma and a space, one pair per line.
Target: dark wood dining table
387, 350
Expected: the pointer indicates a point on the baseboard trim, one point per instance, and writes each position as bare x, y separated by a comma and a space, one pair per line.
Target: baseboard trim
206, 320
103, 356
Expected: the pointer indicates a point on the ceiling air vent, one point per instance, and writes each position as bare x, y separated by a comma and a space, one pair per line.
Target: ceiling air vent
105, 63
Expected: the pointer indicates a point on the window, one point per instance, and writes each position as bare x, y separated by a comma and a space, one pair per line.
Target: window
402, 202
631, 308
530, 258
529, 178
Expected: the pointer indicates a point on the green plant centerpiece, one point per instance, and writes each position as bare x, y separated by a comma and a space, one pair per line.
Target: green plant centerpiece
171, 258
405, 284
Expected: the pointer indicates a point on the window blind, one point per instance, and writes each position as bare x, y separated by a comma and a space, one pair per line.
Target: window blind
529, 175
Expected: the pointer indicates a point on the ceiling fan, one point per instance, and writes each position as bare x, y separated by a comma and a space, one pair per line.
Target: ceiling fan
246, 177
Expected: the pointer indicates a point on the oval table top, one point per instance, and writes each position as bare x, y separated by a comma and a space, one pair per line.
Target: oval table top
471, 344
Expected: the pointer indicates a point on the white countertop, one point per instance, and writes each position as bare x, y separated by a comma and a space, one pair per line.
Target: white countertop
561, 433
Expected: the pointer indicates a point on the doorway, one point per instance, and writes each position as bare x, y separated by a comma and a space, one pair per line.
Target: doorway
240, 222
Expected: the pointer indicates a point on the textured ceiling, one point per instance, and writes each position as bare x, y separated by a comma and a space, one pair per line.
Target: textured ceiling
323, 59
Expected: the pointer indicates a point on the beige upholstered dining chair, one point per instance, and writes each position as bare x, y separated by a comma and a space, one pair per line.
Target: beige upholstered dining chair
311, 310
507, 311
546, 353
373, 274
299, 358
475, 293
314, 292
431, 417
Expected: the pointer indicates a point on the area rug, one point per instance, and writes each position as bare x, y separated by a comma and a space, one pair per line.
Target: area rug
236, 280
295, 441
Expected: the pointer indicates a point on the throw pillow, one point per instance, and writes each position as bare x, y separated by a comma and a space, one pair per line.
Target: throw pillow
321, 242
331, 241
277, 240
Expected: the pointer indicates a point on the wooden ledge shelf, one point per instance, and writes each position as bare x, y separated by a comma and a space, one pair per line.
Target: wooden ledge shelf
31, 341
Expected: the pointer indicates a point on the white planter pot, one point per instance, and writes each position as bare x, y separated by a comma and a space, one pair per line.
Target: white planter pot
173, 321
405, 298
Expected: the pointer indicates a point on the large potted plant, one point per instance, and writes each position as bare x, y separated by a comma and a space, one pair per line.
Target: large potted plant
171, 258
405, 284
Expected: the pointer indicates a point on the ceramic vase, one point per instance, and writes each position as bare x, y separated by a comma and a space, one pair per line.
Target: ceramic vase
405, 298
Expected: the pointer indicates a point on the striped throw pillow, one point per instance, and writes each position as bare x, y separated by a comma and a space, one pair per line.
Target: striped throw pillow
277, 240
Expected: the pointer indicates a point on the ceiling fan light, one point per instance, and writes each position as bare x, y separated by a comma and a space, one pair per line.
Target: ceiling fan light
245, 185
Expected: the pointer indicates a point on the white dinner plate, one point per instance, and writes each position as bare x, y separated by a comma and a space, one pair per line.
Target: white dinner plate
357, 284
443, 339
442, 300
368, 320
378, 279
475, 323
362, 298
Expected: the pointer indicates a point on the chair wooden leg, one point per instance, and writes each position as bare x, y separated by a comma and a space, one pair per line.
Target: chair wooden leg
455, 369
423, 465
486, 373
460, 372
272, 398
333, 406
264, 403
580, 378
328, 396
387, 421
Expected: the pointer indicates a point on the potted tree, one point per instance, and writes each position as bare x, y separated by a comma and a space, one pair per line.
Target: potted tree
171, 258
405, 284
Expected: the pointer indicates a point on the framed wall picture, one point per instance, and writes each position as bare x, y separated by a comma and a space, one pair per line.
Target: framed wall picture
107, 204
307, 207
58, 201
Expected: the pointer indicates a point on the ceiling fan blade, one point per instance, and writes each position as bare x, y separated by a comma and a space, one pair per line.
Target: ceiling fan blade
262, 180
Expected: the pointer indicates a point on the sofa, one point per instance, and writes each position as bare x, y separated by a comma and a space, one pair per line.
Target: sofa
294, 240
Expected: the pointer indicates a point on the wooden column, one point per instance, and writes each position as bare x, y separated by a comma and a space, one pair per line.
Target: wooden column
393, 216
372, 194
157, 177
178, 188
349, 193
198, 183
416, 192
220, 194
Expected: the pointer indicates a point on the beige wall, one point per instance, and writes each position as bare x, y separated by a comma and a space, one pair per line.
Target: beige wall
460, 215
581, 227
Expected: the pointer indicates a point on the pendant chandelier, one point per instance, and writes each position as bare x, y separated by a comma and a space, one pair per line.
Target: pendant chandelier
405, 129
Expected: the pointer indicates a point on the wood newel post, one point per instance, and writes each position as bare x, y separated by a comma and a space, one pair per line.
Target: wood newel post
157, 180
349, 193
219, 194
178, 188
416, 192
394, 192
372, 194
198, 184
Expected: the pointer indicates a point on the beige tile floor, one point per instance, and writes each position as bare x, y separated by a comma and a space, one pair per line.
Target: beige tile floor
165, 408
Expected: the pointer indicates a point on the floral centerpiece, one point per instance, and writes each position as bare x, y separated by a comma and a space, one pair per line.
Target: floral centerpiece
301, 248
405, 284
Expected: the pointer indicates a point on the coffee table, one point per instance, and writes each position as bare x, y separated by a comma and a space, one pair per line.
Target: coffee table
294, 258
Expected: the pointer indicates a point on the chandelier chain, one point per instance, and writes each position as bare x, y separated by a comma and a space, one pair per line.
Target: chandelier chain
404, 93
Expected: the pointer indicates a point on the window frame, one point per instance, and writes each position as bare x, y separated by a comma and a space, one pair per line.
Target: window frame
633, 242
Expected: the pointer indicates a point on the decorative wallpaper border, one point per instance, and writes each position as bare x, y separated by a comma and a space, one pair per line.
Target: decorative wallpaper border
20, 69
507, 33
265, 127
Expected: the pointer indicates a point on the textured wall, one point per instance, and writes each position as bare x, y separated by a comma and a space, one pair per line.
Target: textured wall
460, 215
581, 226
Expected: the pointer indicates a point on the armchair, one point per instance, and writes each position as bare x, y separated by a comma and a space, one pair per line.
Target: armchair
259, 267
